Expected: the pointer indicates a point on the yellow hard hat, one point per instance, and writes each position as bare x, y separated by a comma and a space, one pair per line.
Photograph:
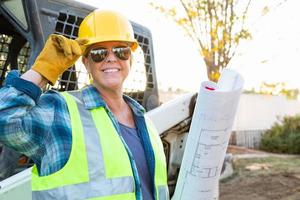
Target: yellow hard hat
106, 25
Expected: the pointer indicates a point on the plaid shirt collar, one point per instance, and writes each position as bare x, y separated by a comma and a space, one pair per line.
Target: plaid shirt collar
93, 99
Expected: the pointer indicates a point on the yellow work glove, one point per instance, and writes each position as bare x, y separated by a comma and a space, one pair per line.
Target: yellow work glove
58, 54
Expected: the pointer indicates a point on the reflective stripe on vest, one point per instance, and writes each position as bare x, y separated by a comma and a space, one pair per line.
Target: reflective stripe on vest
161, 187
104, 171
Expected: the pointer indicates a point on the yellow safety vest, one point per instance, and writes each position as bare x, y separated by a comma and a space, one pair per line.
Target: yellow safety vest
98, 167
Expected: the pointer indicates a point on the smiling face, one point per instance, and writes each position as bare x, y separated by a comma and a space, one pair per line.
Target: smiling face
107, 63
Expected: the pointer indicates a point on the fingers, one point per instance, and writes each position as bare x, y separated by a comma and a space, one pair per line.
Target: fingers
75, 48
69, 47
61, 43
82, 43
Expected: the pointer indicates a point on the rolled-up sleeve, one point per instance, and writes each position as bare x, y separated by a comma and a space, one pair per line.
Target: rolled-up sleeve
24, 120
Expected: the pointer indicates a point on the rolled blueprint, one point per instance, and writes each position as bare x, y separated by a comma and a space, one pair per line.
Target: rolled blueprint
208, 138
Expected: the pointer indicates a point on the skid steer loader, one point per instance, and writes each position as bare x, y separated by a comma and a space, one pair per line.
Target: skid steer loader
25, 26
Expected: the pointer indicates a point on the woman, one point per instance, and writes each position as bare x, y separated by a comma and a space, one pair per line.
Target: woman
89, 144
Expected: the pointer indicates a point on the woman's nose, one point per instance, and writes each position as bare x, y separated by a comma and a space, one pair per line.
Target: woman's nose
111, 57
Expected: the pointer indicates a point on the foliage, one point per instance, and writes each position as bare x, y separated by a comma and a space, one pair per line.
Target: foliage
283, 137
216, 26
279, 88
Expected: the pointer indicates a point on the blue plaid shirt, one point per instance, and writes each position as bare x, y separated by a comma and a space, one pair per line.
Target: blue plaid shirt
39, 125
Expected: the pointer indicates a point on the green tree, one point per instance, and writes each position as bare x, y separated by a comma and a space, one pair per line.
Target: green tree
216, 27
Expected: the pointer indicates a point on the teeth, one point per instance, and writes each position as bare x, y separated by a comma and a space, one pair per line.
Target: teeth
110, 70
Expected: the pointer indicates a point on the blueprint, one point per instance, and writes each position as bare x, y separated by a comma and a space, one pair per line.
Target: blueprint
208, 138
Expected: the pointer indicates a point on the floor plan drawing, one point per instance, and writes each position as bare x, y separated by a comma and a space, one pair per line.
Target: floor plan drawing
207, 142
208, 138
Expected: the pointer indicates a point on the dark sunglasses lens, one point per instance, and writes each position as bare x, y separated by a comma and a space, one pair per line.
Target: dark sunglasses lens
98, 55
122, 53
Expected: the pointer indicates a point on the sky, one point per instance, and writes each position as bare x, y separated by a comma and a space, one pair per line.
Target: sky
271, 56
273, 53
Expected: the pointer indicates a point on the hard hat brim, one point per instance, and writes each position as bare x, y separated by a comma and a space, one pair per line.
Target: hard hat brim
92, 41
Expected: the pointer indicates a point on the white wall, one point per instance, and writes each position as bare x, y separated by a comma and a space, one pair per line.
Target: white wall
258, 112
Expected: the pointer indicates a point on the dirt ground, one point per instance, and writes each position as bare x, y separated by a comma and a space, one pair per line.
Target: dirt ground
258, 177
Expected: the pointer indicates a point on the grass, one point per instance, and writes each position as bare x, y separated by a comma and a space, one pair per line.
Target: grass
276, 165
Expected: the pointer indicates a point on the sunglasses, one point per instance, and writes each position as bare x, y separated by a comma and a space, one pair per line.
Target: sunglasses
99, 54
